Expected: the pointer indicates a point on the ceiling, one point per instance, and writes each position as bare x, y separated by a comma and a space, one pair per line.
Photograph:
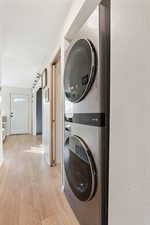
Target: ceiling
30, 31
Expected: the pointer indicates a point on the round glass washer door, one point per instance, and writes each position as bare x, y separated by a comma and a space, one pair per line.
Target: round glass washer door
80, 70
79, 168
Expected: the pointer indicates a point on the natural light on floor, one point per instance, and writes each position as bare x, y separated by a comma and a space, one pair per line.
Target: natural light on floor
35, 149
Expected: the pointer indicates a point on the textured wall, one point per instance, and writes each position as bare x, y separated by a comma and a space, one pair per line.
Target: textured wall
130, 111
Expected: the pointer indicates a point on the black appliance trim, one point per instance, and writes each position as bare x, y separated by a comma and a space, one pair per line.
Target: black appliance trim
91, 119
105, 37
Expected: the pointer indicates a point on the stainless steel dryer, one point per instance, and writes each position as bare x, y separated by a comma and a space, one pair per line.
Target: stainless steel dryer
86, 118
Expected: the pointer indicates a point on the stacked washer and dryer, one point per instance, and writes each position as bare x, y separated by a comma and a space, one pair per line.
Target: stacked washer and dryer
86, 131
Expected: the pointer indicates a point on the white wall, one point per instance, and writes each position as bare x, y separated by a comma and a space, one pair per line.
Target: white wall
46, 115
6, 91
129, 200
46, 138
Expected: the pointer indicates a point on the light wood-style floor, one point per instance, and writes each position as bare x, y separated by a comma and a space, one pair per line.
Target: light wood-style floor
29, 189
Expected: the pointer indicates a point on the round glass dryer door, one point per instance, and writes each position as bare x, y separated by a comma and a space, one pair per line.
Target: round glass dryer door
80, 70
80, 168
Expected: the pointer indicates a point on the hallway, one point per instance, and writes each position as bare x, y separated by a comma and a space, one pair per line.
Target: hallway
29, 189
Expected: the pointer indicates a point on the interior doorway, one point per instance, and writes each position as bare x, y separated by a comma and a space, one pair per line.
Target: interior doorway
39, 112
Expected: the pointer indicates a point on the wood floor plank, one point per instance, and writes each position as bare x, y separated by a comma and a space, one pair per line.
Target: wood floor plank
29, 189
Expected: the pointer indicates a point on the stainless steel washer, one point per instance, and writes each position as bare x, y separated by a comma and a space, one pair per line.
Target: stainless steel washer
86, 115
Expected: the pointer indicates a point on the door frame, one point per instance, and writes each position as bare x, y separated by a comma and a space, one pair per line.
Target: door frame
21, 94
53, 143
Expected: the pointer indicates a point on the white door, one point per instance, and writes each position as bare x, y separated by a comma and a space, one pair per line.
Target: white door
19, 115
